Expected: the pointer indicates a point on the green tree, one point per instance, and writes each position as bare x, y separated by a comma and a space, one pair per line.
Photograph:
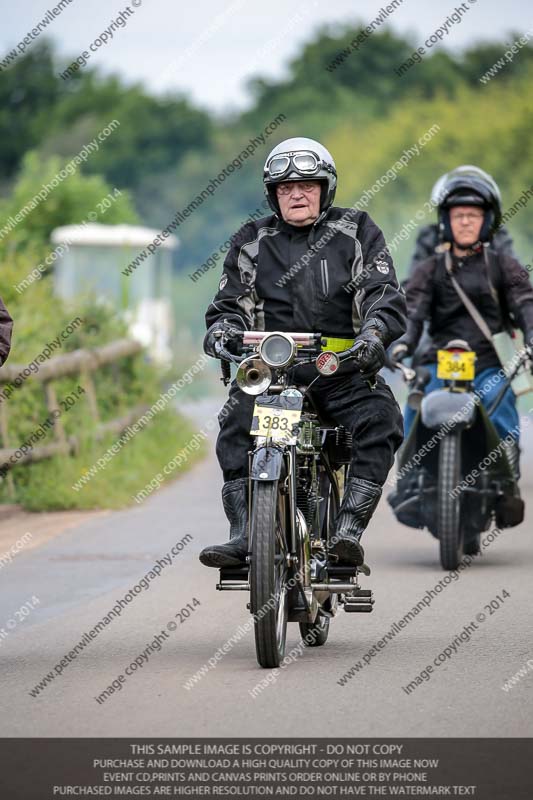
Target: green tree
70, 202
29, 90
38, 108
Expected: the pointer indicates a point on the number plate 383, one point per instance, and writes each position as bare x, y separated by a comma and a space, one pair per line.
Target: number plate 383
277, 418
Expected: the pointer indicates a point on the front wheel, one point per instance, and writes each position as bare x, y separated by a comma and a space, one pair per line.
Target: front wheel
449, 502
269, 573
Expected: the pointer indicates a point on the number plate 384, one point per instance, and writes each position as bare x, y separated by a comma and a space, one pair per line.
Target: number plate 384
456, 366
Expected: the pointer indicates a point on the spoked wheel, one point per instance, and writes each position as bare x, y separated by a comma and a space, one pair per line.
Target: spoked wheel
315, 634
269, 573
449, 505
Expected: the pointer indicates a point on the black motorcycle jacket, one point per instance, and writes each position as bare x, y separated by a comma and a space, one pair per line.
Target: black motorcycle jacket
328, 277
497, 285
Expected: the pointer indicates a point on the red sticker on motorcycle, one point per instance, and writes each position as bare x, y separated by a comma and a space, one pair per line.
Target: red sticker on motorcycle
327, 363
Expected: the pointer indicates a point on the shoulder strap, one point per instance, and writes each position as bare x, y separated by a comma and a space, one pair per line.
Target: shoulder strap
468, 304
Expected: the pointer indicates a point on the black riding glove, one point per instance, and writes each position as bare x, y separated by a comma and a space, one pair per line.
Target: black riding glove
226, 326
371, 357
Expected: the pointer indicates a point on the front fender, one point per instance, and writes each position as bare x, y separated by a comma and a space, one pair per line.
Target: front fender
442, 407
267, 463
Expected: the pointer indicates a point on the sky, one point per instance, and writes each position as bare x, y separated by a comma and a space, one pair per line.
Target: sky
208, 49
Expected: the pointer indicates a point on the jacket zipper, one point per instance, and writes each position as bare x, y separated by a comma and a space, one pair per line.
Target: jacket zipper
325, 276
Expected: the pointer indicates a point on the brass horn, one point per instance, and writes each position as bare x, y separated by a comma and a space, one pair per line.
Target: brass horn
253, 376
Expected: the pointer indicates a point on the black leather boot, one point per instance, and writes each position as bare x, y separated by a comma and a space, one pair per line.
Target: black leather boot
233, 553
358, 504
511, 448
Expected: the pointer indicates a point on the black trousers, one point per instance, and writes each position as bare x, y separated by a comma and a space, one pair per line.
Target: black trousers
371, 414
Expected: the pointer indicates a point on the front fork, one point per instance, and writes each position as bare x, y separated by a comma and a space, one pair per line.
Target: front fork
267, 463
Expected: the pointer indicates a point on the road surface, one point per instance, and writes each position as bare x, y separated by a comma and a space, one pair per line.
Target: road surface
70, 583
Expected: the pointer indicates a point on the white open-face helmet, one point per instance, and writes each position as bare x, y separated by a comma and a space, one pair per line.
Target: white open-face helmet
300, 159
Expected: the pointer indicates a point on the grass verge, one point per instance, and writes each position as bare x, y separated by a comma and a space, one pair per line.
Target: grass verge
47, 485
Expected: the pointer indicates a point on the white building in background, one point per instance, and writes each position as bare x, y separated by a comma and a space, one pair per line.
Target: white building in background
93, 262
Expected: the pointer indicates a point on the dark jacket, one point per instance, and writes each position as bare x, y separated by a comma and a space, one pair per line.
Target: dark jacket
6, 327
326, 278
431, 296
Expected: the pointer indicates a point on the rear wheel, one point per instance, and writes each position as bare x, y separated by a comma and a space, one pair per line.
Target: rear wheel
472, 545
269, 573
449, 502
315, 634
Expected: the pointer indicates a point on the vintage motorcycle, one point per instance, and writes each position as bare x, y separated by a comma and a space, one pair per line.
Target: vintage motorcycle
297, 468
453, 474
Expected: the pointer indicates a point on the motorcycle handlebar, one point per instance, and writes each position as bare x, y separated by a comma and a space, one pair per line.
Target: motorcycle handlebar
352, 352
222, 353
226, 357
408, 373
527, 355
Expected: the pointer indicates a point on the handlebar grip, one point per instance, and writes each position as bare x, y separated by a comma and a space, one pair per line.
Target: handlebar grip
352, 352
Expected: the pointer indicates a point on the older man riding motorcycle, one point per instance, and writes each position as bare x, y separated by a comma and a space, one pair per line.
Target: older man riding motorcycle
312, 267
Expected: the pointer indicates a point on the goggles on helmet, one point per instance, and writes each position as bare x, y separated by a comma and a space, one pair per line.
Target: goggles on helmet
303, 162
